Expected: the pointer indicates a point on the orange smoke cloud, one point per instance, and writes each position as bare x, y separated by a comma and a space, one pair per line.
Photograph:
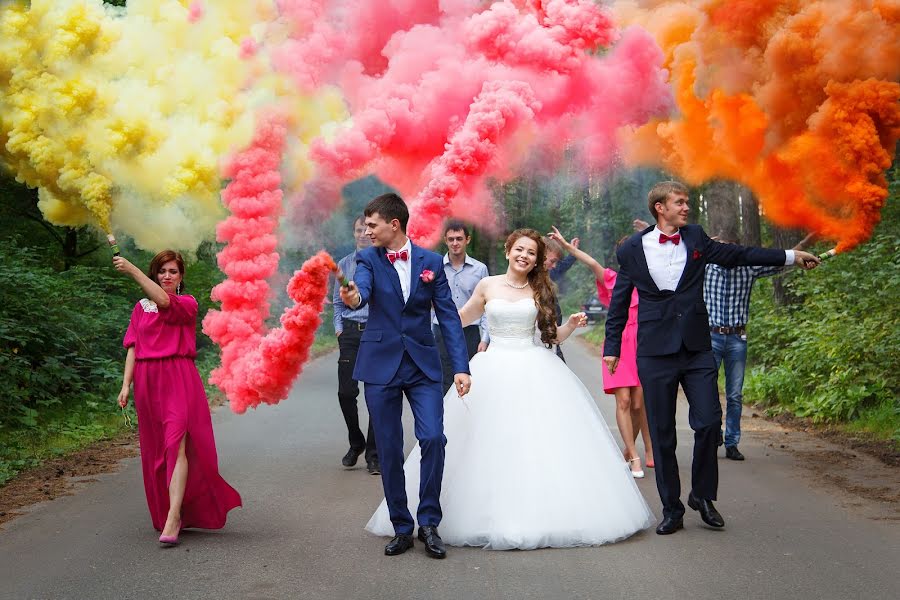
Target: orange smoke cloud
797, 100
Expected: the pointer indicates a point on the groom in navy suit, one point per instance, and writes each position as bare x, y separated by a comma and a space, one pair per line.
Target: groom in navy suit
401, 282
666, 263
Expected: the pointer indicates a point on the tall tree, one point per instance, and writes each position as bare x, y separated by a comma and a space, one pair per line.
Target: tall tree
723, 210
750, 228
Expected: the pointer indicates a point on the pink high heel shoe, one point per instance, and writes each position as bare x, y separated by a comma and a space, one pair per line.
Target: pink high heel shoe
170, 540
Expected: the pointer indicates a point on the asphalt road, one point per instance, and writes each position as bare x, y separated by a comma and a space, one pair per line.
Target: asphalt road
300, 533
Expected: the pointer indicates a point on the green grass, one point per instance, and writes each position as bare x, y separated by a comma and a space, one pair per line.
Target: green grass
59, 433
882, 422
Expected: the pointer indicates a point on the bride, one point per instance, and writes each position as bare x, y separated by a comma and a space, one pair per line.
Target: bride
530, 462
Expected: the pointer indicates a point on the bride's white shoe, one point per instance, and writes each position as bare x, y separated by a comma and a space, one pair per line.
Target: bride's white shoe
639, 474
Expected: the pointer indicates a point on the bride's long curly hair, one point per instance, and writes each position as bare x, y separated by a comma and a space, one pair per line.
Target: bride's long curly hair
539, 279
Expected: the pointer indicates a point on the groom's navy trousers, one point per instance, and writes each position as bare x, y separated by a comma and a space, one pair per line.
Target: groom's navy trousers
397, 356
385, 404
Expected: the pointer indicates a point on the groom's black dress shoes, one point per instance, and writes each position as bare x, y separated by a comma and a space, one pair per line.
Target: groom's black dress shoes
400, 544
708, 512
351, 457
434, 545
670, 525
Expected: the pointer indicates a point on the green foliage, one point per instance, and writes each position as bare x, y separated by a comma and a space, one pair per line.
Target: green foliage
60, 353
832, 356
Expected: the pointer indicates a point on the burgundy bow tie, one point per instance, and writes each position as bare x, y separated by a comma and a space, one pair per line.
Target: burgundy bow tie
395, 256
675, 238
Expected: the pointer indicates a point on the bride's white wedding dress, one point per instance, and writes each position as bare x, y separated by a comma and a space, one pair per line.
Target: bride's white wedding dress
530, 462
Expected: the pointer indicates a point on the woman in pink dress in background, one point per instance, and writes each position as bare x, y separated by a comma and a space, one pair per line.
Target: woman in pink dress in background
631, 417
178, 451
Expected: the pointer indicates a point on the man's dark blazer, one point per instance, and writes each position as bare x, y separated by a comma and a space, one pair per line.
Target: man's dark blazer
669, 319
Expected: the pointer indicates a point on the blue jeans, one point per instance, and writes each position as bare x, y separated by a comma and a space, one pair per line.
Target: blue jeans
731, 348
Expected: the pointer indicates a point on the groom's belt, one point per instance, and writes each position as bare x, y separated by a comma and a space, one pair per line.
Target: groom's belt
738, 330
357, 325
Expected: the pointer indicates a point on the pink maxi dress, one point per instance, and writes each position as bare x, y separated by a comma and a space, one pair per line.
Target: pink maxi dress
626, 374
171, 403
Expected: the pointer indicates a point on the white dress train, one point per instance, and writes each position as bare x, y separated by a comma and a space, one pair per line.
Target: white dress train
530, 462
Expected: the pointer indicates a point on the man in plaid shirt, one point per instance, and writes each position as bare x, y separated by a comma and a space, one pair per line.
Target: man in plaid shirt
726, 293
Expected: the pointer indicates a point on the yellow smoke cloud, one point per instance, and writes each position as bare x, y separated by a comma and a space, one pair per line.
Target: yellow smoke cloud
121, 117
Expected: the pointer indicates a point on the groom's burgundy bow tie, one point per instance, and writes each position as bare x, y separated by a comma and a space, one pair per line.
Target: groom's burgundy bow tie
395, 256
675, 238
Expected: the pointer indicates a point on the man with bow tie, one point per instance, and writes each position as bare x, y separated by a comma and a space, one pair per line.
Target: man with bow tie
401, 282
666, 263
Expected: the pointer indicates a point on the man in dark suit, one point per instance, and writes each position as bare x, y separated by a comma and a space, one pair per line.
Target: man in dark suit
401, 282
666, 263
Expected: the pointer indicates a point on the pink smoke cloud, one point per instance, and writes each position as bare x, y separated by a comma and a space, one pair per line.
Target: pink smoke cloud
450, 95
259, 366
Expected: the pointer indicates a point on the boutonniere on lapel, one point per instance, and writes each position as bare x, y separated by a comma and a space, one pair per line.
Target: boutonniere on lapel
427, 276
697, 254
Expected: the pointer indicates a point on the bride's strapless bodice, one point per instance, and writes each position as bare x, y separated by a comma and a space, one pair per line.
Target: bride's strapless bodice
511, 321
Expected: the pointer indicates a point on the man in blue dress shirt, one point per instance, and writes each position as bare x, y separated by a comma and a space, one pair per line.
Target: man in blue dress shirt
463, 274
348, 327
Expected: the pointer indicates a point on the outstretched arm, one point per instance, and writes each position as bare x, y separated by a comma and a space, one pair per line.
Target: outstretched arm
577, 253
474, 308
617, 315
357, 293
564, 331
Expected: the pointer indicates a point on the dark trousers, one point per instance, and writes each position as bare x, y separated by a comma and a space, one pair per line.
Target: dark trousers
348, 389
660, 376
472, 334
385, 409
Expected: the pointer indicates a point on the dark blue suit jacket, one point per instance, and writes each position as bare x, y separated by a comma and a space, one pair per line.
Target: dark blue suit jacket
669, 319
394, 327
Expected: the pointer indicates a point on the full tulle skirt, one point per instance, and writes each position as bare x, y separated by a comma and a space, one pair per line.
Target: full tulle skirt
530, 461
171, 404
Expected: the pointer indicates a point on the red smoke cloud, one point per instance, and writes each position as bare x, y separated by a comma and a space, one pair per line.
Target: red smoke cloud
258, 366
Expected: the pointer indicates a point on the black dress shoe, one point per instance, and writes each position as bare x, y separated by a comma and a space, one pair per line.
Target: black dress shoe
373, 467
434, 545
733, 453
708, 512
670, 525
351, 457
400, 544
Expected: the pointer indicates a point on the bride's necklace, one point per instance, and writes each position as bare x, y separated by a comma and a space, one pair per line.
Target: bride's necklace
514, 286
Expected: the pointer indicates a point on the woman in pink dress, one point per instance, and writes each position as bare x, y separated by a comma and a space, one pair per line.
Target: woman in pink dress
178, 451
624, 384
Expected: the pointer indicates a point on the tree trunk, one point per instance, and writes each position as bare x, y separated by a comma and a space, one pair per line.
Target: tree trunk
784, 238
750, 230
723, 210
70, 248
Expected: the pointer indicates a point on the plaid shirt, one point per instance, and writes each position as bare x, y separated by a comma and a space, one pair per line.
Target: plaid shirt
726, 293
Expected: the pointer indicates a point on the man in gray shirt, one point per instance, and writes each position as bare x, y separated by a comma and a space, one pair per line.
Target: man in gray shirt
463, 274
348, 326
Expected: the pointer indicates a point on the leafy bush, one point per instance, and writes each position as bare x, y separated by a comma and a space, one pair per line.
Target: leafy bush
831, 356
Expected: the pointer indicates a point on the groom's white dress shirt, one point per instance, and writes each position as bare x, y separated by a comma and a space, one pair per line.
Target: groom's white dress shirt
666, 261
404, 269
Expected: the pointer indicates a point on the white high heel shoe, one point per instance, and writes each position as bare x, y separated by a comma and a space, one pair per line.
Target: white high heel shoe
639, 474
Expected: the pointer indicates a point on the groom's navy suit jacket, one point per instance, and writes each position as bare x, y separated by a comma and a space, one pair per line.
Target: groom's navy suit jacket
668, 320
395, 327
